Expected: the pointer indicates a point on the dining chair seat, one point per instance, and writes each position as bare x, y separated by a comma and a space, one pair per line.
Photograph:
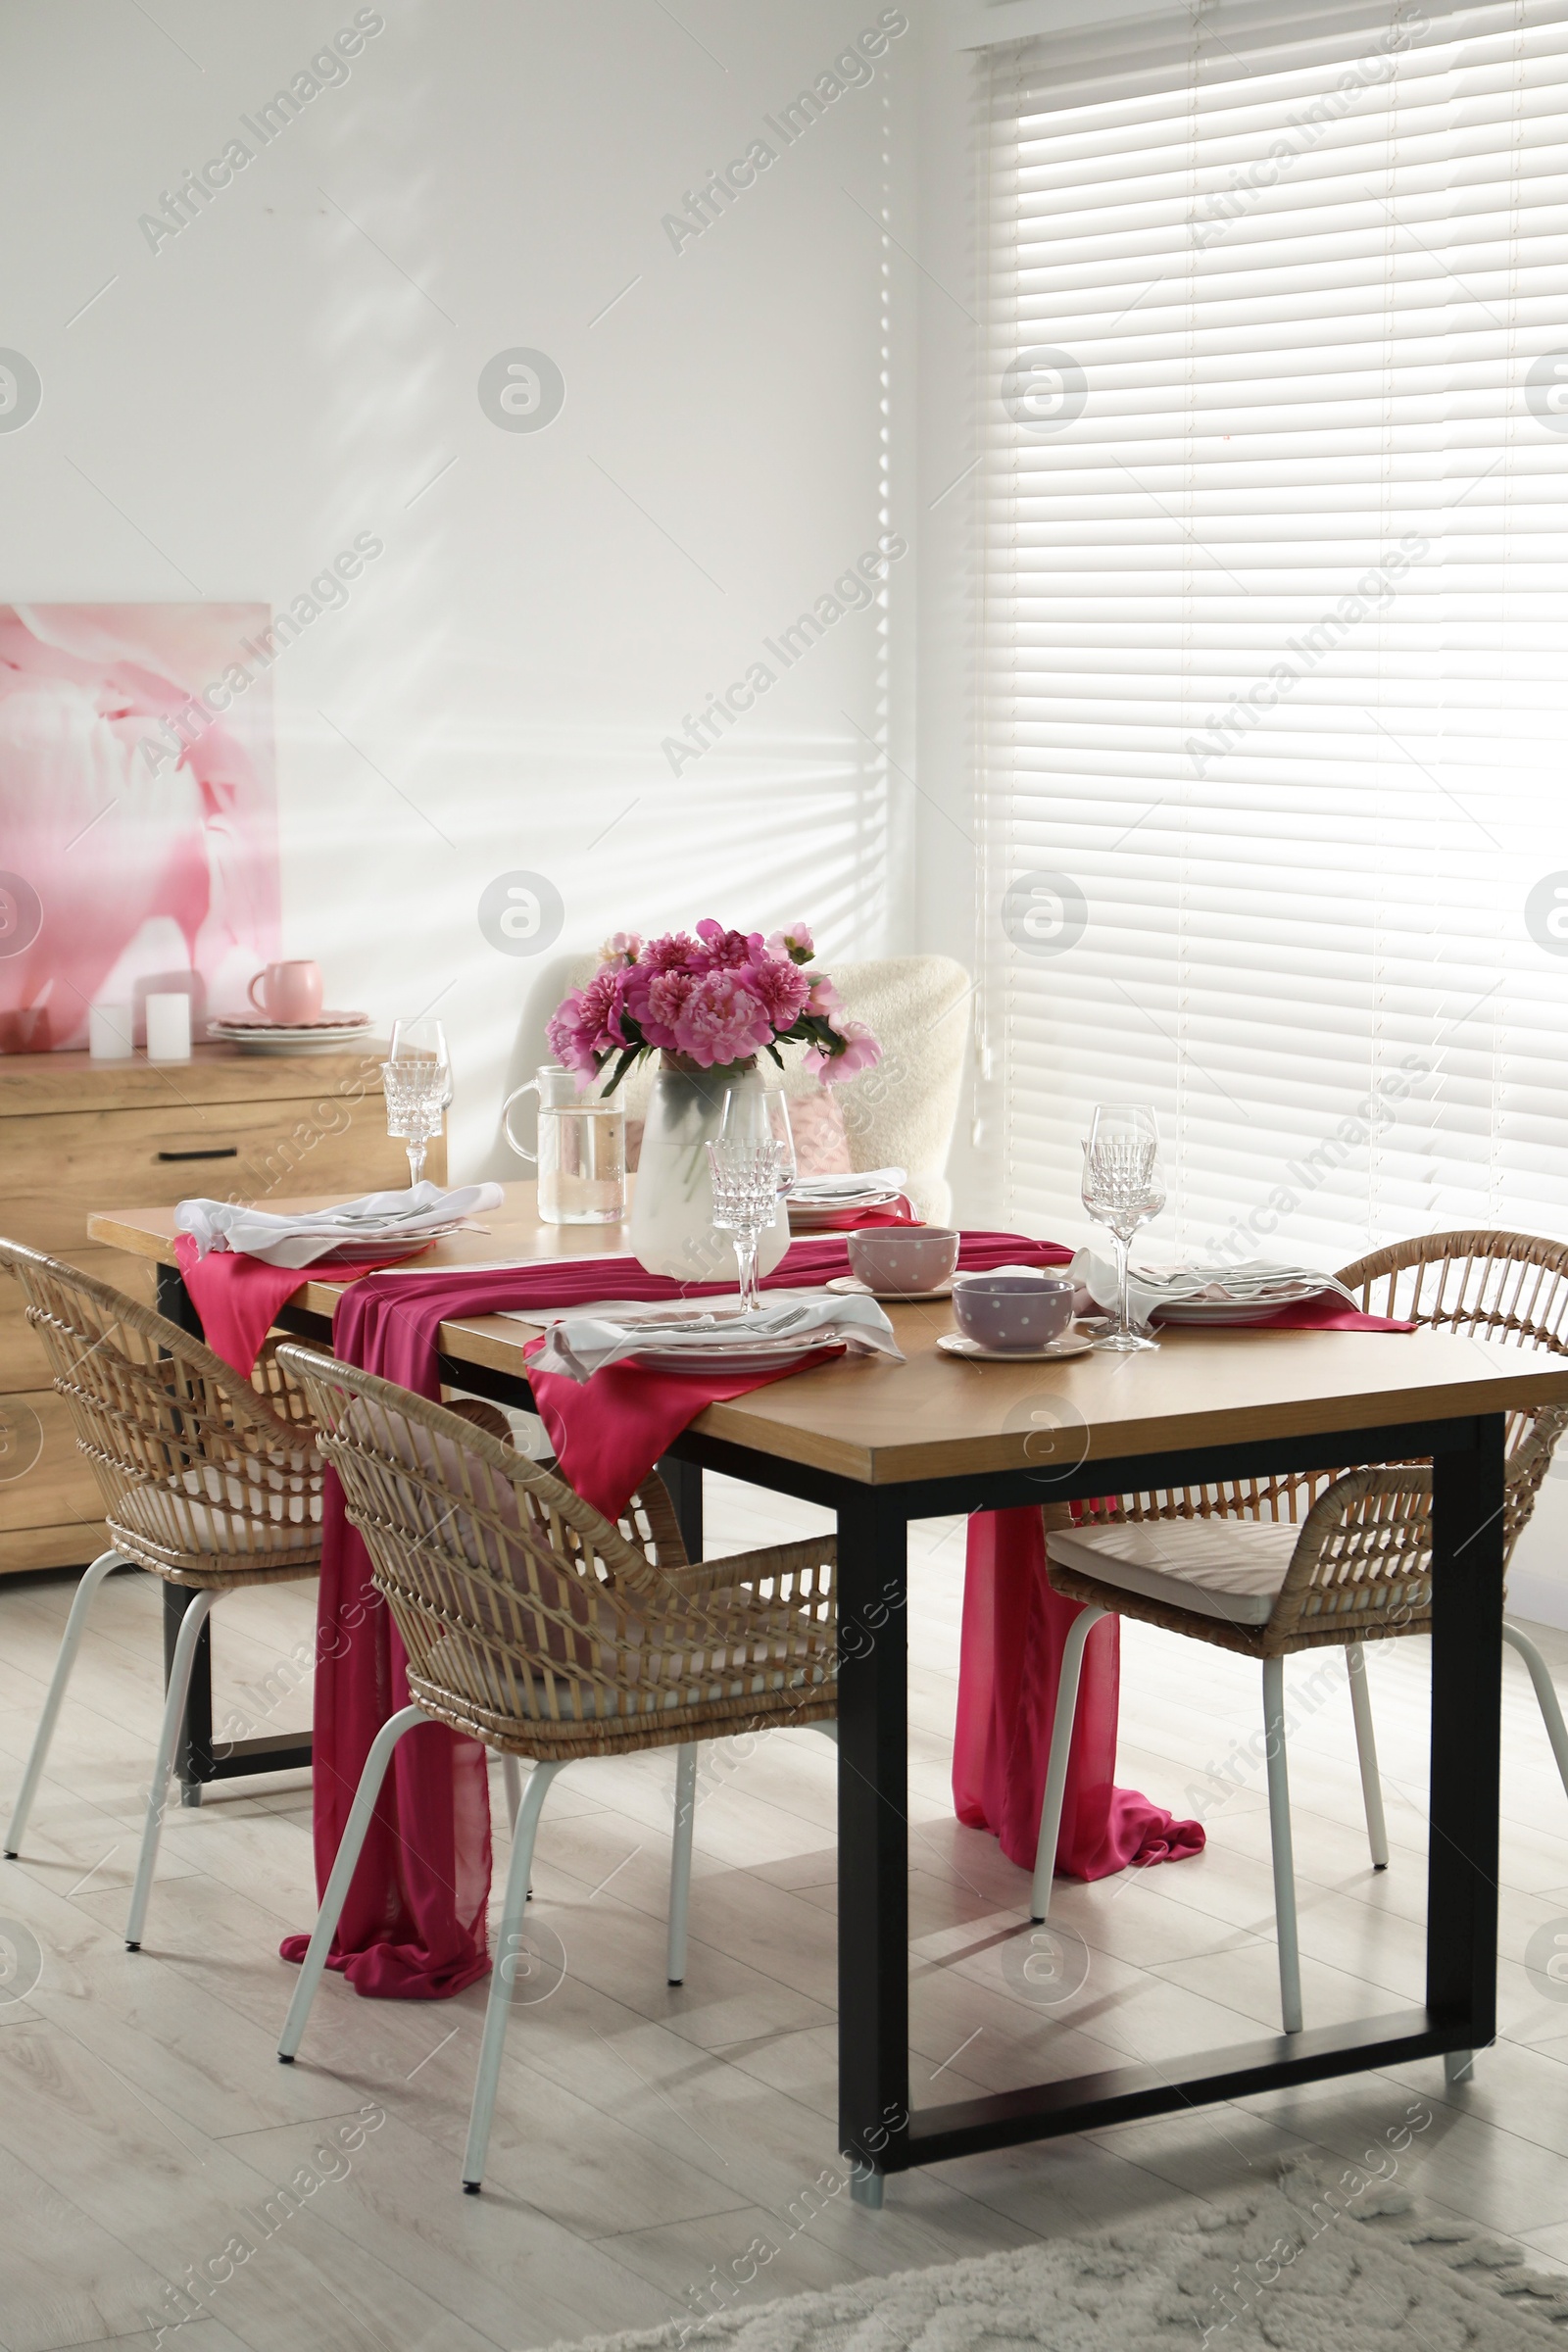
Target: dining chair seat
1232, 1570
208, 1481
1205, 1561
1358, 1566
535, 1624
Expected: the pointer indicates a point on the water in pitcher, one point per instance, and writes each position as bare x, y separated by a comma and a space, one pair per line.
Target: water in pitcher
581, 1154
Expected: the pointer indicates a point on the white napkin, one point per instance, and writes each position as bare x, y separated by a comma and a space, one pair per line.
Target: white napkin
300, 1236
582, 1340
1247, 1285
839, 1192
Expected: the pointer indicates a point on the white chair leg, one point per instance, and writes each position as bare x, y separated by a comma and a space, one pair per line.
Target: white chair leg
1279, 1829
502, 1972
1366, 1748
342, 1878
1545, 1694
71, 1642
179, 1671
512, 1780
680, 1861
1072, 1659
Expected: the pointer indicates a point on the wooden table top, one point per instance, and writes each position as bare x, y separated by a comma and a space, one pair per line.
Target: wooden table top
938, 1416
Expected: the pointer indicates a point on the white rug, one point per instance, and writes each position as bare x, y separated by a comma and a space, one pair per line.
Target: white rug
1318, 2261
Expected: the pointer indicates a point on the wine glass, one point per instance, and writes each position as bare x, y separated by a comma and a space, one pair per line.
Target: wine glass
1122, 1188
417, 1078
752, 1161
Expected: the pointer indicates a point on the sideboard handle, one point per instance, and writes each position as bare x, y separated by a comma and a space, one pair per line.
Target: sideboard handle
225, 1152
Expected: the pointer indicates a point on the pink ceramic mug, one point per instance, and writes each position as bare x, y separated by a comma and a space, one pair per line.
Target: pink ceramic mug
291, 991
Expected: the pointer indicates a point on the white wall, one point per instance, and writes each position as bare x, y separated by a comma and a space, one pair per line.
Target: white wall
301, 360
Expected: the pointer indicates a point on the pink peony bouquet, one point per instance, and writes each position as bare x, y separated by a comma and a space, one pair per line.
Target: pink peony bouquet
714, 1000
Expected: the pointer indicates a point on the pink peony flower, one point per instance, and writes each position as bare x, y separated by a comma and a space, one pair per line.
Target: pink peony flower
587, 1023
660, 1001
860, 1052
783, 989
727, 950
825, 998
676, 950
621, 950
795, 943
721, 1021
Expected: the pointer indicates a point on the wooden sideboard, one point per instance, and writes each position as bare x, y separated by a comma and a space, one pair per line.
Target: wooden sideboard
75, 1133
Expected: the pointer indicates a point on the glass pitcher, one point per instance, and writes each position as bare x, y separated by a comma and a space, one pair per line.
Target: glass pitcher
581, 1156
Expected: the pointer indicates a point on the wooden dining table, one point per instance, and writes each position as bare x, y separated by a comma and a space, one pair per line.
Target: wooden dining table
881, 1443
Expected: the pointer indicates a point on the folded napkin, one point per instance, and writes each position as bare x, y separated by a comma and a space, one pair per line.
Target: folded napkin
1252, 1284
584, 1341
844, 1191
300, 1236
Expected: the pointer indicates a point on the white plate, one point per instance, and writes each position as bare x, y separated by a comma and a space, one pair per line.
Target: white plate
772, 1356
391, 1246
851, 1287
955, 1343
813, 1217
272, 1041
287, 1029
1235, 1310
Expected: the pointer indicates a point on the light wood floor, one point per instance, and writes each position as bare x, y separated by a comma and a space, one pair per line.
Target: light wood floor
650, 2142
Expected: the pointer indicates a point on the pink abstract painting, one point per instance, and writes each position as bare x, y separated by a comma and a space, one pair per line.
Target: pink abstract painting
138, 812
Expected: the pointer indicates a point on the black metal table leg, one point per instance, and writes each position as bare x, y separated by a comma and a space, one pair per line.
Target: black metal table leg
193, 1750
1467, 1558
873, 1840
685, 1483
195, 1761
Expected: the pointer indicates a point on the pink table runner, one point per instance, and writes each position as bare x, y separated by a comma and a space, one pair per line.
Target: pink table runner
414, 1924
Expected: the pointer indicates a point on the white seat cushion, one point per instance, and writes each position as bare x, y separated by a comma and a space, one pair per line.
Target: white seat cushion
1228, 1568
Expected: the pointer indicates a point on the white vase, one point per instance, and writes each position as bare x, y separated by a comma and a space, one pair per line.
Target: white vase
672, 1198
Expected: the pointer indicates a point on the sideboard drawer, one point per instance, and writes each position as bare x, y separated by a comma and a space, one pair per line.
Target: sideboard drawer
61, 1165
47, 1486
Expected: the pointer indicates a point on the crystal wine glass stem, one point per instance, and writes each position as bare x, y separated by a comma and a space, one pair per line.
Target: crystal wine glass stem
1123, 1252
415, 1159
745, 1259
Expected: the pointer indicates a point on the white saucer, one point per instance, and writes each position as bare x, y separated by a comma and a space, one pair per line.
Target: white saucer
954, 1343
851, 1287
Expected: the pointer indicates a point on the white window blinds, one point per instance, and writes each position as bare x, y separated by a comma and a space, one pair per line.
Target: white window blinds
1274, 697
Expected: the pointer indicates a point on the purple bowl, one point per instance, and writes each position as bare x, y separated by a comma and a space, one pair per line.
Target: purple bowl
1013, 1315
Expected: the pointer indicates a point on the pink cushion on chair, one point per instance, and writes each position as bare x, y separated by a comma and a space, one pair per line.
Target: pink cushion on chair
821, 1139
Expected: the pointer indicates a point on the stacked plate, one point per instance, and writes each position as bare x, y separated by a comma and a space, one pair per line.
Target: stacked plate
1243, 1294
816, 1203
253, 1033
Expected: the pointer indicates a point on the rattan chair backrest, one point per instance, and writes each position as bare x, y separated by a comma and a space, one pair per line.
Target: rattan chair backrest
518, 1601
1510, 1286
197, 1465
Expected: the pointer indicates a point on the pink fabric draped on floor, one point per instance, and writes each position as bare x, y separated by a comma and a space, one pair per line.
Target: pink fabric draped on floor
413, 1926
1014, 1628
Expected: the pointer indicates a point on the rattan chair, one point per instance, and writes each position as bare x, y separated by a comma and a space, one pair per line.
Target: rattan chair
1268, 1566
208, 1481
535, 1625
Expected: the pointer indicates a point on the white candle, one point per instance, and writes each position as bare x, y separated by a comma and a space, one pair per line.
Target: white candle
111, 1032
168, 1028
